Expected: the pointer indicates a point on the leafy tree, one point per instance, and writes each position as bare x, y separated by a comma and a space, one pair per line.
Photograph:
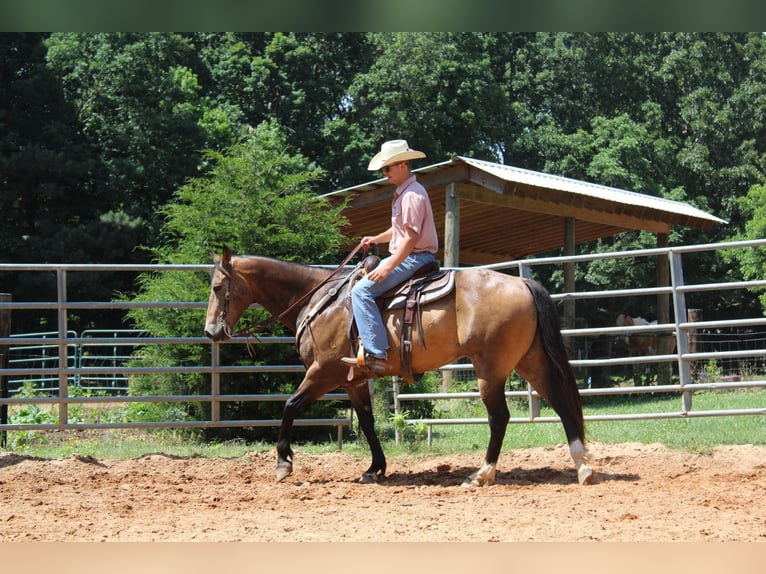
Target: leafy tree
752, 262
53, 207
100, 130
257, 198
436, 90
298, 79
139, 102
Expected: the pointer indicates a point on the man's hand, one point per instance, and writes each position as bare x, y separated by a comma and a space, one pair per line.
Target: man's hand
381, 271
368, 241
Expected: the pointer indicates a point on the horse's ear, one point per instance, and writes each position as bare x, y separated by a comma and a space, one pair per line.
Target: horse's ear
225, 256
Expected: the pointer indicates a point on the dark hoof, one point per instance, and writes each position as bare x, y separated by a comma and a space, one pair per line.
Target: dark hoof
284, 469
370, 478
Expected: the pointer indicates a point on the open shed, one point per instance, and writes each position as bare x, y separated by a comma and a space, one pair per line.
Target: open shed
488, 213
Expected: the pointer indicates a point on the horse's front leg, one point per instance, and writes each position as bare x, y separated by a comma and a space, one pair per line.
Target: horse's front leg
284, 450
362, 403
309, 391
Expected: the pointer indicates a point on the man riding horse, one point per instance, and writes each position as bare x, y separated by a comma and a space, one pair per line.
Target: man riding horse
412, 244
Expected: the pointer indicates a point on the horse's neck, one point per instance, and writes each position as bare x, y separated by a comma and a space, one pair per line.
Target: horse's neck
276, 284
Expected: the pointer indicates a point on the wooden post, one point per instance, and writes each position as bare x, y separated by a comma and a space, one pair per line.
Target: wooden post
452, 227
569, 276
664, 343
5, 332
451, 246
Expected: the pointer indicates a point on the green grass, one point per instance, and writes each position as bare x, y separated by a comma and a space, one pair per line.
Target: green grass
691, 434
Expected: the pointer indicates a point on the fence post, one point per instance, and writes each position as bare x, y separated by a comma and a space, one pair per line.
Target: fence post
63, 348
5, 332
682, 340
397, 408
664, 344
215, 383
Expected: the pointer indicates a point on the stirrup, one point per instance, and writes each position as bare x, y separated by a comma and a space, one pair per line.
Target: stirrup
359, 360
366, 362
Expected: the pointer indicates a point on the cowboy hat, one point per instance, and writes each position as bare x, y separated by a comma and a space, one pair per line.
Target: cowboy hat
392, 152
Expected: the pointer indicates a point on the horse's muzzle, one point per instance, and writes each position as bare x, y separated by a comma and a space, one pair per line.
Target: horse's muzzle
217, 331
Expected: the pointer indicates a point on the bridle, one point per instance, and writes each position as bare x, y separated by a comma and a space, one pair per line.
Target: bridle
227, 272
252, 330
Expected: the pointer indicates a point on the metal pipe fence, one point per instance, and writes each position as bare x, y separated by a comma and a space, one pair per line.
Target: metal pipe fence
685, 359
67, 369
67, 361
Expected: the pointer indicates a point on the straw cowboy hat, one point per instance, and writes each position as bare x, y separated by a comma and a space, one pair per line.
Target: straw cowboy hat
392, 152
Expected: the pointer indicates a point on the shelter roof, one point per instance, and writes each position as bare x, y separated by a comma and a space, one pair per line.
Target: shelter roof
509, 213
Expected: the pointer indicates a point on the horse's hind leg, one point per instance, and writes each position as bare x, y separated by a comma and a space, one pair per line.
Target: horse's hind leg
493, 395
558, 387
362, 403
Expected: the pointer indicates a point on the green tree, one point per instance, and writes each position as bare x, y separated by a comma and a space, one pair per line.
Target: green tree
53, 207
434, 89
752, 262
95, 142
300, 80
257, 198
139, 104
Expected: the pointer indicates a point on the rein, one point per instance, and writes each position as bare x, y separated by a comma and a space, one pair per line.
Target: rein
252, 330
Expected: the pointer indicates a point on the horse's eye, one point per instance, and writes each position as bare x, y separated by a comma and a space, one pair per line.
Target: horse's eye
217, 288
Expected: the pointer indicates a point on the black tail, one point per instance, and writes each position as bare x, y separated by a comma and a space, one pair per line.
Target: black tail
553, 343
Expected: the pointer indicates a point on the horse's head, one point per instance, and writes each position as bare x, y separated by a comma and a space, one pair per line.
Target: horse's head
624, 320
228, 298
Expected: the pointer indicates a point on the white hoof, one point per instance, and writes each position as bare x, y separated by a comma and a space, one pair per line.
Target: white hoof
471, 482
485, 476
585, 474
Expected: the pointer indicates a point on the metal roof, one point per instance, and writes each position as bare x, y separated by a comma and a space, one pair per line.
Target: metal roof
508, 213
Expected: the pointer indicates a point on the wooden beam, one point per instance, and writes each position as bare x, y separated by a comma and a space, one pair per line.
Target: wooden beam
371, 197
472, 192
664, 344
453, 174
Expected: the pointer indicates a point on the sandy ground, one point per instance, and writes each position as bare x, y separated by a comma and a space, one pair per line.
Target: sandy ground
643, 493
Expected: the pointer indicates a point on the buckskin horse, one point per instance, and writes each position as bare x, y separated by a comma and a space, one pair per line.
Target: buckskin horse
501, 322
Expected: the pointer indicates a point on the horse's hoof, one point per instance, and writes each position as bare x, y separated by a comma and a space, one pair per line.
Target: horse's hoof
369, 478
485, 476
283, 471
585, 474
476, 479
470, 483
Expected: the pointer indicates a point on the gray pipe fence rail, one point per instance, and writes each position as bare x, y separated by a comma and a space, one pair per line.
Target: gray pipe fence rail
66, 359
57, 362
684, 331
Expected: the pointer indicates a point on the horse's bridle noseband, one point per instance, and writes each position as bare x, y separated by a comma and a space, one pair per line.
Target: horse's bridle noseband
226, 271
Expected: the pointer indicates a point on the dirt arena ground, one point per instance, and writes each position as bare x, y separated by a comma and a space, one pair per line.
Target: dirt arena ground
643, 493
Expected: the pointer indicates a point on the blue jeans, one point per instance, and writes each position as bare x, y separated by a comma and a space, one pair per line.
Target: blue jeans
369, 321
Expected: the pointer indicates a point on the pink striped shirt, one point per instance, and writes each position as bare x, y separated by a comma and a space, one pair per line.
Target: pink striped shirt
411, 208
